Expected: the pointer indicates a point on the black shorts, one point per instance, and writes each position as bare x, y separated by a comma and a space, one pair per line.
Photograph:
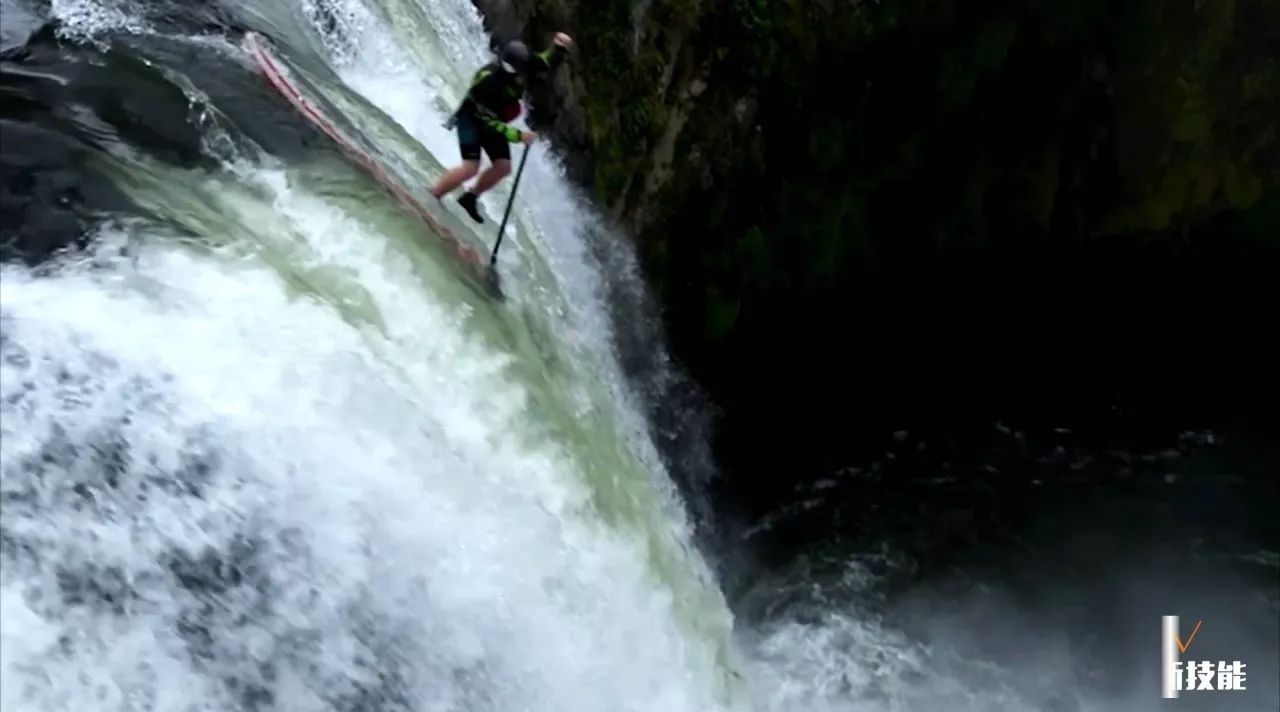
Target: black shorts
474, 135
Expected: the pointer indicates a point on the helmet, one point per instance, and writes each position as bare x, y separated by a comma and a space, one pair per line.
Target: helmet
515, 57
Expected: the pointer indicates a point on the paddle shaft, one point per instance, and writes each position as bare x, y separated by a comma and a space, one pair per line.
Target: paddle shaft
502, 230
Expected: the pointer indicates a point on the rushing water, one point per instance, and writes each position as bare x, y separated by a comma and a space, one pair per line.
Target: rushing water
265, 448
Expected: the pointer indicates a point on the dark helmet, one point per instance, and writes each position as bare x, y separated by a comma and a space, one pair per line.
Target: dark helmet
515, 56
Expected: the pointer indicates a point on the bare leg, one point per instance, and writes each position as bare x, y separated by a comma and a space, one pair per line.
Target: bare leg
455, 177
499, 170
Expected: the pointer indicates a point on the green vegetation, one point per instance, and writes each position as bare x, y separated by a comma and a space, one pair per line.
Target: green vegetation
838, 141
906, 131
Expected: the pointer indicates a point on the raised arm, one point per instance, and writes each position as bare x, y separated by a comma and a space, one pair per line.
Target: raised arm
552, 57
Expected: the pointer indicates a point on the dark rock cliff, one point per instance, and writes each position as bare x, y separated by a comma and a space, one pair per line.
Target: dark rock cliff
620, 114
931, 213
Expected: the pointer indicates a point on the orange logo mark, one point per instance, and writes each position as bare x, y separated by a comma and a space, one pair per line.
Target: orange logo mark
1182, 647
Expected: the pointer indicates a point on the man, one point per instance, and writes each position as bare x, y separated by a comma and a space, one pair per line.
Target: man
494, 99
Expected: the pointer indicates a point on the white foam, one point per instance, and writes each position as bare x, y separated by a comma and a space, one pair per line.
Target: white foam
374, 480
89, 18
419, 529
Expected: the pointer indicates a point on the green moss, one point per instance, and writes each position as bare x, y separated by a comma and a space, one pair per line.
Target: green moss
676, 15
1260, 84
720, 317
962, 69
897, 133
1242, 188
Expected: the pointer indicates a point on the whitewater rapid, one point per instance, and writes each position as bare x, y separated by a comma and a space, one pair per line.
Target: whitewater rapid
263, 449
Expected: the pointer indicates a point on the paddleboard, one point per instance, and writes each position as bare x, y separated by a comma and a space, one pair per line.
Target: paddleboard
276, 73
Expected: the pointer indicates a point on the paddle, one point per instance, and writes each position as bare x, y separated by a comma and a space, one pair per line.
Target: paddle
493, 258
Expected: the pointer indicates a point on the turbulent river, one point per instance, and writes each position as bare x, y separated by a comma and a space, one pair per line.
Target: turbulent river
265, 447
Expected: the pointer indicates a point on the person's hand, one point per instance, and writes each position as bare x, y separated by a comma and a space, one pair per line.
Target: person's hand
564, 40
528, 137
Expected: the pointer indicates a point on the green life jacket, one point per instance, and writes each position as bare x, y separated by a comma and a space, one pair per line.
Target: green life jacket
494, 95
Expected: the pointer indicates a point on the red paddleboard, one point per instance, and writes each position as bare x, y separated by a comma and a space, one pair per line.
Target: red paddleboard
277, 75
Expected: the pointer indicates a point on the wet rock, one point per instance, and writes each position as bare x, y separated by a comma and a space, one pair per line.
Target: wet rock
48, 195
20, 22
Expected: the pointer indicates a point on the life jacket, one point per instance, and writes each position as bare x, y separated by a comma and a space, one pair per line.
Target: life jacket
495, 93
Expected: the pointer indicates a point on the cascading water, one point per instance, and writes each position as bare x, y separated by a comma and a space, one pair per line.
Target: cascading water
264, 449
